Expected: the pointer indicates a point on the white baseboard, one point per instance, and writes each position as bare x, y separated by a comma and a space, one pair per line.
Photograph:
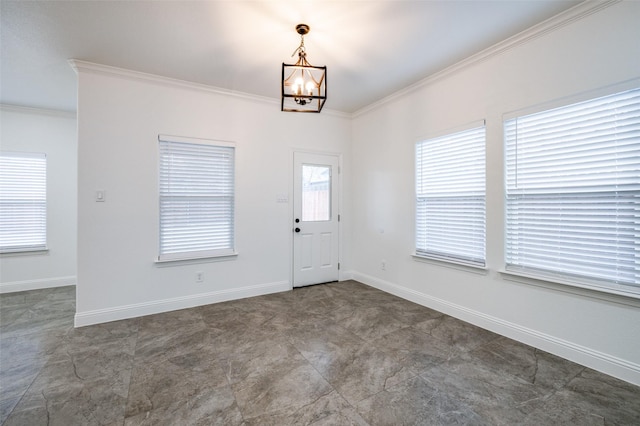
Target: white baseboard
345, 275
605, 363
158, 306
11, 287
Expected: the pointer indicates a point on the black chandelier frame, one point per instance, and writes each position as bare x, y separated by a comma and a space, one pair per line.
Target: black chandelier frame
294, 98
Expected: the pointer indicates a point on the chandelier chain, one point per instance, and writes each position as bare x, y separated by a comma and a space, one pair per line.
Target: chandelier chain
300, 50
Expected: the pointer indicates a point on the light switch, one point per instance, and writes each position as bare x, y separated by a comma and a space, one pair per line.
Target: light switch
100, 195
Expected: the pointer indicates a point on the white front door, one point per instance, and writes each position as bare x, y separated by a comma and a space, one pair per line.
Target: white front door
315, 224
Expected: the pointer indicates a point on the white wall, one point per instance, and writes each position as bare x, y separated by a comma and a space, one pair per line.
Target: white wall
120, 115
595, 51
52, 133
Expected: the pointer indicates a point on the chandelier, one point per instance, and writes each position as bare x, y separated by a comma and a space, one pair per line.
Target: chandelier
304, 87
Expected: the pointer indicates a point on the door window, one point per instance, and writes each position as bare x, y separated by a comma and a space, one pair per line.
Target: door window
316, 193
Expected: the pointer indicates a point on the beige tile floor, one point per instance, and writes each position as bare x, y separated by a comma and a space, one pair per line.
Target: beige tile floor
334, 354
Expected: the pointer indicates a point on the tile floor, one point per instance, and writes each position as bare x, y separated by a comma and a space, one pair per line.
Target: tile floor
334, 354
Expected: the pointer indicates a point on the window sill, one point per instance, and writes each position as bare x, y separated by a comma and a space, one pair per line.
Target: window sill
27, 252
481, 270
565, 286
195, 260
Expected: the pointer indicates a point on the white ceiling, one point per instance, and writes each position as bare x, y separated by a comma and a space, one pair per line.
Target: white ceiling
371, 48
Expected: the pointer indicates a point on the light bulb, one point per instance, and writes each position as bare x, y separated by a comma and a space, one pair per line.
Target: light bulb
310, 88
298, 86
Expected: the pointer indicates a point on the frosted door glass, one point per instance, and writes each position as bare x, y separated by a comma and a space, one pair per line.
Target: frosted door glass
316, 193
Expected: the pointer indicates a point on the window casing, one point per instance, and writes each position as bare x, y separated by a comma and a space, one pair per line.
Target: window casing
23, 202
197, 198
573, 193
450, 197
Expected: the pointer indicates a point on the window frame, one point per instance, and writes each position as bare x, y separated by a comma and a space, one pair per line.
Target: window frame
41, 229
197, 255
477, 263
573, 281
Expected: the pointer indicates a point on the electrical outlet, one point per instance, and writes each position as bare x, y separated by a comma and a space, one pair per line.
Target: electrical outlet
383, 265
199, 276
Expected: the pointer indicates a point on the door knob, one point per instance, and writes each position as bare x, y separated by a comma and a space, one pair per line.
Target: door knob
297, 220
297, 229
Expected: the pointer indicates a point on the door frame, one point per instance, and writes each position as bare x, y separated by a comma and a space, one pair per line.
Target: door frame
291, 214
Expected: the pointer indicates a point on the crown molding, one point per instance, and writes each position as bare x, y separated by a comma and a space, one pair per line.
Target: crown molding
38, 111
93, 68
574, 14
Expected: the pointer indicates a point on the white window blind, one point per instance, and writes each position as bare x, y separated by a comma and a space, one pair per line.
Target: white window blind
573, 193
450, 197
23, 202
196, 199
